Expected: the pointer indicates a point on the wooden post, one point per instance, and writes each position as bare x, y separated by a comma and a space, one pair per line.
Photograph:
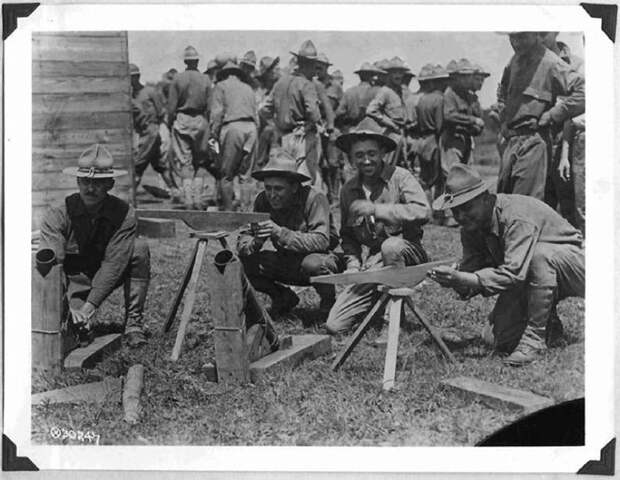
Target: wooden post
391, 353
47, 311
231, 352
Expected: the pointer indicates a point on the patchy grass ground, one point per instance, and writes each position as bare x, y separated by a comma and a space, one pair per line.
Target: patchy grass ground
311, 405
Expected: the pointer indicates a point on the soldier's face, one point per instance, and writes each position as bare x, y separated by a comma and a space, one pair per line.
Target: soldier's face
367, 155
396, 77
477, 82
524, 41
472, 215
280, 191
94, 190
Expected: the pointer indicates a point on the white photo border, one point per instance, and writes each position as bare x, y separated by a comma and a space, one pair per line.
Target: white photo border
599, 330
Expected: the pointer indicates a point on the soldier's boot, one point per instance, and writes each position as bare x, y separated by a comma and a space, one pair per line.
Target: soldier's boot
171, 185
540, 303
135, 290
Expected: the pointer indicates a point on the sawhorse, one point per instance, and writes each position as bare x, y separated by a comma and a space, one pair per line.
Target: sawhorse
394, 298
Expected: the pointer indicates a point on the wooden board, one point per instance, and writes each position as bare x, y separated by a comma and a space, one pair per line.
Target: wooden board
108, 390
206, 221
89, 356
394, 277
499, 395
156, 228
78, 83
79, 139
304, 347
80, 102
82, 120
77, 47
67, 68
391, 352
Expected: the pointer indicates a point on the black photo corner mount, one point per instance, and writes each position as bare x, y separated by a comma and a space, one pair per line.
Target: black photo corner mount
606, 465
608, 13
11, 12
11, 462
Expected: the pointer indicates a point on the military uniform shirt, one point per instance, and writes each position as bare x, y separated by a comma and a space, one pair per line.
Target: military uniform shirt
232, 100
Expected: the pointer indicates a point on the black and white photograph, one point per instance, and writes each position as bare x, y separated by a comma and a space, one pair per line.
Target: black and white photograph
365, 233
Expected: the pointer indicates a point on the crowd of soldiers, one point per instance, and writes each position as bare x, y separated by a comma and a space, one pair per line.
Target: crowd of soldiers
406, 157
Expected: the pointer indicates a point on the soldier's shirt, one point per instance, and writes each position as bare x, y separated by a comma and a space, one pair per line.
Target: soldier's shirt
501, 257
388, 107
189, 93
292, 101
58, 234
352, 107
460, 111
147, 107
531, 84
429, 112
232, 100
401, 208
325, 104
307, 224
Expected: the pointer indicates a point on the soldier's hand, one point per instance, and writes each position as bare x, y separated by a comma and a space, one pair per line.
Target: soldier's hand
267, 229
362, 208
564, 169
545, 120
83, 315
449, 277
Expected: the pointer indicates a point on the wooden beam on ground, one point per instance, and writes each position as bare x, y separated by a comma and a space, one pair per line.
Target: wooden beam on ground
131, 393
178, 296
156, 228
303, 347
108, 390
205, 221
393, 277
497, 394
90, 355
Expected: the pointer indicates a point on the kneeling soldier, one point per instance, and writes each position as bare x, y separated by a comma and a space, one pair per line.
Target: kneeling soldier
93, 235
295, 243
383, 208
520, 248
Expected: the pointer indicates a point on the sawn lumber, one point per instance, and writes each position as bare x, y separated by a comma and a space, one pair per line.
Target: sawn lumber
206, 221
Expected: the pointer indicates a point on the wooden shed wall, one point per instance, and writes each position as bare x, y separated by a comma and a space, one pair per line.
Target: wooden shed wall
81, 94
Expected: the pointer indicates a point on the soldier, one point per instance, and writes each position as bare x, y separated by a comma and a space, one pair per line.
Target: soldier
93, 235
478, 78
187, 117
461, 115
294, 105
388, 108
247, 64
233, 123
296, 243
355, 100
530, 85
518, 247
382, 208
268, 75
211, 70
151, 135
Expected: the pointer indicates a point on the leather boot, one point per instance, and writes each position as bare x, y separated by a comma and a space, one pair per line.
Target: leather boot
540, 304
327, 293
135, 290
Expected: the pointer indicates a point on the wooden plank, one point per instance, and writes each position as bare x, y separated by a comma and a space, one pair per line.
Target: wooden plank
80, 121
391, 352
47, 311
78, 83
81, 33
498, 395
156, 228
131, 393
178, 296
189, 302
96, 69
304, 347
76, 47
57, 160
391, 276
80, 139
108, 390
55, 180
227, 302
206, 221
359, 333
90, 355
80, 102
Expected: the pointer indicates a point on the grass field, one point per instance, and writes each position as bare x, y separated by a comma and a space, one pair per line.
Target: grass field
311, 405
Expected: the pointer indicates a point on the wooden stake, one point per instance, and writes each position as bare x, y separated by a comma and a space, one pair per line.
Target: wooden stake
131, 393
179, 295
391, 353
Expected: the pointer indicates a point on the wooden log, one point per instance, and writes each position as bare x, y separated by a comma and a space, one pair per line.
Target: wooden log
391, 353
156, 228
189, 301
108, 390
90, 355
179, 293
131, 394
47, 318
304, 347
498, 395
206, 221
227, 302
393, 277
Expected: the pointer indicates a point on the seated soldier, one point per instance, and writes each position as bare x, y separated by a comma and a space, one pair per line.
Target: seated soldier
383, 208
93, 235
520, 248
295, 243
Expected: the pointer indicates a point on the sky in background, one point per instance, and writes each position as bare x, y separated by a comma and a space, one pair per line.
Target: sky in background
157, 52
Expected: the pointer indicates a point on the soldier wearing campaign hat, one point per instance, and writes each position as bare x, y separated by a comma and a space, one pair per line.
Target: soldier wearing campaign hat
92, 234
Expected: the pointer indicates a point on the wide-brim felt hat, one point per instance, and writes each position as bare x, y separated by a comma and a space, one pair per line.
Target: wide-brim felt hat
95, 162
461, 67
367, 67
190, 53
229, 67
396, 64
367, 128
462, 185
322, 58
249, 59
282, 164
432, 72
267, 64
478, 70
307, 50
